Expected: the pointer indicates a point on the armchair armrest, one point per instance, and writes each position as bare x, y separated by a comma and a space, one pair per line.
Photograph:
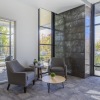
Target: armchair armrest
29, 69
21, 74
19, 78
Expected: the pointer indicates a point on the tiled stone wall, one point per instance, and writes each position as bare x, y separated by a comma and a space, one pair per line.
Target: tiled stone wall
70, 39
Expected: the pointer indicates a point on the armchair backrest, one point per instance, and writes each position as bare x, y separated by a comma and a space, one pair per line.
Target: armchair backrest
8, 58
14, 66
57, 62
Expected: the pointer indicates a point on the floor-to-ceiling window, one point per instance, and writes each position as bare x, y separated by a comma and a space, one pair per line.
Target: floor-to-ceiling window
45, 36
7, 33
97, 39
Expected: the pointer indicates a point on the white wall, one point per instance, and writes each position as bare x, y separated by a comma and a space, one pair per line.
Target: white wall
26, 29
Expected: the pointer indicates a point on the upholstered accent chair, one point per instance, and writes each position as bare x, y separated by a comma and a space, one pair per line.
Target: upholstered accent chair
58, 66
19, 75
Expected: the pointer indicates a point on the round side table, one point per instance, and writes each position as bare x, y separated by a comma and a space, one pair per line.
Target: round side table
39, 70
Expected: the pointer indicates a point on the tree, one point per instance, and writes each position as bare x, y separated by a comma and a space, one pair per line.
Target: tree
45, 50
97, 45
97, 54
4, 40
4, 37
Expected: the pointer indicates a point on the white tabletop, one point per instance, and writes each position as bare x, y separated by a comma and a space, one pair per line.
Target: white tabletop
53, 80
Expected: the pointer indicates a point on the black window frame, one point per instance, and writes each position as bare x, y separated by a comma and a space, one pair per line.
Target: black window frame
52, 34
10, 34
93, 40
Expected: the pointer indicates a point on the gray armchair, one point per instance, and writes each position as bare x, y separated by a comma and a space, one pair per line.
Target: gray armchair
19, 75
58, 66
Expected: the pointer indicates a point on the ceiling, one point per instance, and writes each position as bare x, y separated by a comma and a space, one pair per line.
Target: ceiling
93, 1
56, 6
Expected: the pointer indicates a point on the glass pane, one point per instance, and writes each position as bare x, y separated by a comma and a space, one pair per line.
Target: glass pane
6, 45
45, 52
4, 40
12, 52
97, 45
45, 36
12, 27
97, 13
97, 32
4, 52
12, 46
97, 20
45, 18
12, 38
4, 27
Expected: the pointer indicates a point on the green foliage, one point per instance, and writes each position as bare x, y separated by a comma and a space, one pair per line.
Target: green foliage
4, 38
53, 74
97, 45
3, 29
41, 58
97, 60
35, 61
97, 56
45, 39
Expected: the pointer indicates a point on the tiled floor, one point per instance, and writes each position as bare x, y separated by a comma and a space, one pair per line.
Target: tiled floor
75, 89
3, 74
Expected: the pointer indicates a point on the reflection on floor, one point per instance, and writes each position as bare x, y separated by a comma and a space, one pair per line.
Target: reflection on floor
97, 71
3, 75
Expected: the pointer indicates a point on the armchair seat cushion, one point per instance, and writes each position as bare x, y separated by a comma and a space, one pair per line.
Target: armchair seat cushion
57, 69
30, 75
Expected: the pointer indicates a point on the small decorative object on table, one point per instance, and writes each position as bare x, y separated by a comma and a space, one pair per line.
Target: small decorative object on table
35, 61
52, 75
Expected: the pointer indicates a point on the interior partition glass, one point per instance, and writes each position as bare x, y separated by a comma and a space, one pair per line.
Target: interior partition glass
45, 37
7, 33
97, 40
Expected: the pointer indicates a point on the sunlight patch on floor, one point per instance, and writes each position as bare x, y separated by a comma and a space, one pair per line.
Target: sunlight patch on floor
94, 92
95, 97
97, 72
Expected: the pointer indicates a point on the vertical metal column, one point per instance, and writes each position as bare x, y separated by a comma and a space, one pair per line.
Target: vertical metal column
92, 42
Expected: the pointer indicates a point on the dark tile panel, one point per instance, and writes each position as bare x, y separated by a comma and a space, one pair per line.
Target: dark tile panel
70, 35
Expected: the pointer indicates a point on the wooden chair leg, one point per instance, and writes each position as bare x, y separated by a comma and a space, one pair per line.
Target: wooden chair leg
33, 82
8, 86
25, 88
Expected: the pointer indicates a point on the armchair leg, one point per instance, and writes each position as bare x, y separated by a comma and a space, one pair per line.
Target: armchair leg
8, 86
25, 88
66, 77
33, 82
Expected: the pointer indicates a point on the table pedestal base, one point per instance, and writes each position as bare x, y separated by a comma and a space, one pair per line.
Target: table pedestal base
48, 85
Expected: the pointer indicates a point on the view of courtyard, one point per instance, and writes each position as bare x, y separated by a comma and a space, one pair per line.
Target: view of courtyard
6, 40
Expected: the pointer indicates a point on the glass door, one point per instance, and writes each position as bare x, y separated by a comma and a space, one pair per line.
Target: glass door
7, 32
45, 37
97, 40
